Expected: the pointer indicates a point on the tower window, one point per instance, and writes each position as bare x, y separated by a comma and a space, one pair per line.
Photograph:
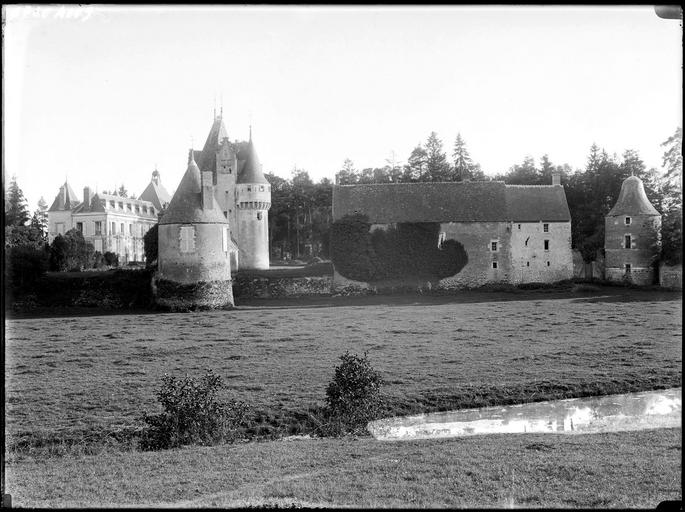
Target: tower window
628, 221
627, 242
527, 263
548, 263
546, 245
494, 264
249, 188
627, 267
519, 226
493, 245
259, 215
187, 239
545, 228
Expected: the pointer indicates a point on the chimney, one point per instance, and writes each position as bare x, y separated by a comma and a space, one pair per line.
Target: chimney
207, 189
556, 178
86, 196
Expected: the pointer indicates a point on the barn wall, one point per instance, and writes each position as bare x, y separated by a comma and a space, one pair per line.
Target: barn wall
530, 262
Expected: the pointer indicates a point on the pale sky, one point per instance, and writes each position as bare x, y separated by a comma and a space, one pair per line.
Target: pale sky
102, 95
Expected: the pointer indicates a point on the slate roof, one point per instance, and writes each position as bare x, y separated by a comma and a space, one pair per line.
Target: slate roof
62, 203
632, 200
466, 201
207, 158
532, 203
186, 205
156, 194
99, 200
251, 171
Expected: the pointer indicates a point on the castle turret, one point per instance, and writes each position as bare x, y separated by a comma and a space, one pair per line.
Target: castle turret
253, 200
632, 235
218, 157
194, 267
155, 192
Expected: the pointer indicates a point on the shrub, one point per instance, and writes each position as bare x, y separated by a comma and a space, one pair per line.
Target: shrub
193, 414
25, 265
70, 252
353, 397
111, 259
151, 243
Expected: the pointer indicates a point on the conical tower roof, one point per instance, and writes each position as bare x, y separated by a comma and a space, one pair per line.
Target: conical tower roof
64, 201
155, 192
217, 134
252, 169
632, 200
186, 205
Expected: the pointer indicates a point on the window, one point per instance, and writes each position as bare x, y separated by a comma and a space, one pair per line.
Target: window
527, 263
545, 228
79, 226
519, 226
627, 242
249, 188
60, 228
548, 263
494, 264
546, 245
129, 207
627, 267
98, 245
259, 215
224, 239
98, 227
441, 239
628, 221
112, 205
145, 209
261, 188
130, 229
187, 239
493, 245
137, 209
114, 228
121, 205
122, 229
152, 210
226, 214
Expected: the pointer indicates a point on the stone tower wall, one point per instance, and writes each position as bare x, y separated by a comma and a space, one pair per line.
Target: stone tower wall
226, 171
644, 231
253, 202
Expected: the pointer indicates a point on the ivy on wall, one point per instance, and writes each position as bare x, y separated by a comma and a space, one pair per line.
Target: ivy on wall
405, 250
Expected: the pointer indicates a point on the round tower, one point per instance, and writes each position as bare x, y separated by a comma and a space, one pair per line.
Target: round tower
194, 268
632, 235
253, 200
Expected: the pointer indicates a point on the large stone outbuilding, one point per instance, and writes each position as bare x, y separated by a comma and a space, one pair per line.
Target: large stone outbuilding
632, 235
511, 233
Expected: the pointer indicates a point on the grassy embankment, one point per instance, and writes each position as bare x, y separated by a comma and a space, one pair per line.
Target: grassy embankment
619, 470
76, 383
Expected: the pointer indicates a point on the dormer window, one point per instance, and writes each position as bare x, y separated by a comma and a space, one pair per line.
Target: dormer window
261, 188
628, 221
249, 188
121, 205
112, 205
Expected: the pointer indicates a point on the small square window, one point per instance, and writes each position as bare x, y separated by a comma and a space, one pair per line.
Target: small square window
494, 264
628, 221
546, 245
545, 228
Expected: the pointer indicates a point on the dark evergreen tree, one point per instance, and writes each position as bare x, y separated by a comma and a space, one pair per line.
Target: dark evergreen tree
17, 211
437, 166
463, 165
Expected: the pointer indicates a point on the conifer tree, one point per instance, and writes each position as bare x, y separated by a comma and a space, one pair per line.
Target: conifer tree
437, 167
463, 165
40, 217
17, 212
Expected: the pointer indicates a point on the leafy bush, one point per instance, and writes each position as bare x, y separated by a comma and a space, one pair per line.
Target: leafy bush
151, 243
111, 259
402, 251
353, 397
193, 414
71, 252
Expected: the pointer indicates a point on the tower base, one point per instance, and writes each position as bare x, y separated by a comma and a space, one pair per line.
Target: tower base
203, 295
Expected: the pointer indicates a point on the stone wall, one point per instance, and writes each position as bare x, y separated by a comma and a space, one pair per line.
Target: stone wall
477, 237
531, 262
671, 276
643, 230
269, 287
184, 297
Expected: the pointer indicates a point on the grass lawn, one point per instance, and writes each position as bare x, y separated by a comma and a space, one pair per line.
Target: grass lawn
618, 470
68, 378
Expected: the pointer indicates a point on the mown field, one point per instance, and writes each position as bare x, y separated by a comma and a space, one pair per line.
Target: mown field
75, 379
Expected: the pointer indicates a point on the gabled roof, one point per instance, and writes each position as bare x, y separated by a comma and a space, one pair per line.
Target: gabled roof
384, 203
466, 201
532, 203
64, 201
251, 171
217, 134
156, 194
632, 200
186, 205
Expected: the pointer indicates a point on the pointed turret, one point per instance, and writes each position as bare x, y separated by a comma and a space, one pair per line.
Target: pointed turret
65, 200
252, 168
216, 138
155, 192
187, 206
632, 200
